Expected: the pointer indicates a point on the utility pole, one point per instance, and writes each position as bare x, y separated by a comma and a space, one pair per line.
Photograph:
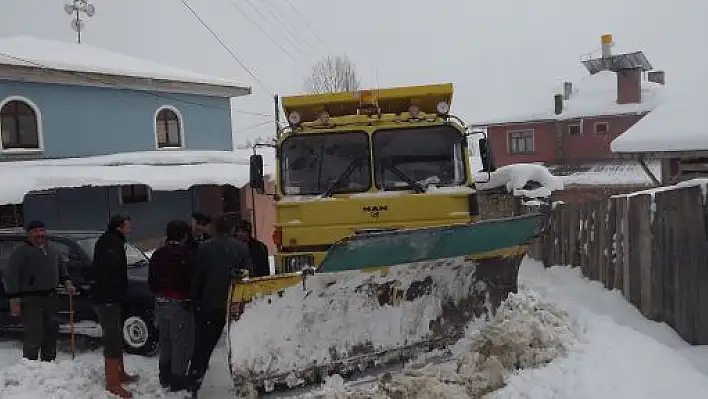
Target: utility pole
75, 8
277, 117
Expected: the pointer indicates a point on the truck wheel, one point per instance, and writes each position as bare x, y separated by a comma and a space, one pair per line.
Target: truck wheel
140, 334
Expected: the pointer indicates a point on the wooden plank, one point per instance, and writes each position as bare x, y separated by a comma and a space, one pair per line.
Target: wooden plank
637, 214
582, 240
601, 249
610, 243
621, 223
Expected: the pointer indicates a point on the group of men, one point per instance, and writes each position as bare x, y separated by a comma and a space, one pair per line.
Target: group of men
190, 275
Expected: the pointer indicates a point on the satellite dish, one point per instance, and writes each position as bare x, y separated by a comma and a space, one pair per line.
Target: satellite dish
90, 10
69, 8
77, 25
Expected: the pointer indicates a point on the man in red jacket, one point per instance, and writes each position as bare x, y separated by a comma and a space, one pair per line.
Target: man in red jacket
169, 277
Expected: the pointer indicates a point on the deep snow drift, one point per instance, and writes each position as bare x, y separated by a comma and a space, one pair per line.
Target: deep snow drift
526, 332
603, 348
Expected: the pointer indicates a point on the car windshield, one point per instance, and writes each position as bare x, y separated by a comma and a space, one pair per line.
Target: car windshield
413, 158
136, 257
325, 163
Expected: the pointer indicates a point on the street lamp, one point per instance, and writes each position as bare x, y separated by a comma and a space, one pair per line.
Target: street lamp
75, 8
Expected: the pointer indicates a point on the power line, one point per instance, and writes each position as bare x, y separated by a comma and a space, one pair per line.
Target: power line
287, 36
233, 3
118, 86
234, 56
287, 26
304, 21
252, 126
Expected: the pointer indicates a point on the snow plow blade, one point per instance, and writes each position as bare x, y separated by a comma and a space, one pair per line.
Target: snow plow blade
376, 298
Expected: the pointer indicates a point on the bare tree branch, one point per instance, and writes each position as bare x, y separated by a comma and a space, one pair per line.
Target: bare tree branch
332, 74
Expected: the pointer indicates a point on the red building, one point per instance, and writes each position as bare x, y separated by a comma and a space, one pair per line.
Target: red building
579, 123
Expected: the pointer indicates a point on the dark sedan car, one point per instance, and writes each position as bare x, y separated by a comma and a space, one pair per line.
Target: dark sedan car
76, 249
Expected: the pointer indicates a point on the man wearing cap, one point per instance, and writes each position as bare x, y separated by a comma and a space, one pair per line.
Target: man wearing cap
257, 249
31, 278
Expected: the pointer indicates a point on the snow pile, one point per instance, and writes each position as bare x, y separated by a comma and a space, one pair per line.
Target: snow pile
340, 315
515, 177
527, 332
160, 170
30, 379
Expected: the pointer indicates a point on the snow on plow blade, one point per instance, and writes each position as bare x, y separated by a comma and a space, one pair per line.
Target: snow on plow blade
376, 298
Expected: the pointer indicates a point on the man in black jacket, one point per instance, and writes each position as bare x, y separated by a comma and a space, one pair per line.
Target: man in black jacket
110, 265
257, 249
31, 277
218, 261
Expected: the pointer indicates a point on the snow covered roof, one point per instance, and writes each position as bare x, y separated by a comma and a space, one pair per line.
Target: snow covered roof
32, 52
607, 173
594, 95
679, 124
161, 170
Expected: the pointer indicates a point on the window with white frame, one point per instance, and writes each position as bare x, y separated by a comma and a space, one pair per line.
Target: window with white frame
168, 125
19, 126
521, 141
574, 129
602, 128
135, 194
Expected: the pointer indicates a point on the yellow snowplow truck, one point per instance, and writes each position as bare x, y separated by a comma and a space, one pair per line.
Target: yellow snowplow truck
381, 251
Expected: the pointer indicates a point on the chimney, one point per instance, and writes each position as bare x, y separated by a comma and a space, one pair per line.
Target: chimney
567, 90
657, 77
607, 43
558, 102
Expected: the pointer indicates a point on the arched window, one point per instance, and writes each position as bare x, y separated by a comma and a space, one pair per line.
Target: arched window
169, 128
19, 125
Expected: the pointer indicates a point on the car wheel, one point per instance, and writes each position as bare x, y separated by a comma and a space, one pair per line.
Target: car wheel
140, 335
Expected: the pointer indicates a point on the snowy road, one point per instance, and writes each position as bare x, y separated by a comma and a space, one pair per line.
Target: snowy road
620, 354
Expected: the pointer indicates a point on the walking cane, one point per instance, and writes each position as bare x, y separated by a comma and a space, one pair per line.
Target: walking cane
72, 342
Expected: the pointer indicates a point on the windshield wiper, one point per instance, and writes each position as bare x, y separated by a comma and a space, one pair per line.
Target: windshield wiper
348, 171
399, 173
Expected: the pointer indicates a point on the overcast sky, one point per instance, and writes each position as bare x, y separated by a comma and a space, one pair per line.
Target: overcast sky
501, 55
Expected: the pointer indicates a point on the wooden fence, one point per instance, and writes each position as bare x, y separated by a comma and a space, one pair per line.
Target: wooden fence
651, 245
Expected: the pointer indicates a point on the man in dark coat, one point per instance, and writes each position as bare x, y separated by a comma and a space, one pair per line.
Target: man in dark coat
169, 277
110, 265
218, 262
30, 278
257, 249
201, 229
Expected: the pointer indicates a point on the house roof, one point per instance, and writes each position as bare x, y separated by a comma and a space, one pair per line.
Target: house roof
31, 52
160, 170
594, 95
617, 172
679, 124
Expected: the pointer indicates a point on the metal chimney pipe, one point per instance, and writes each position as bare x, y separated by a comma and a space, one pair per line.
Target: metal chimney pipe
567, 90
558, 104
606, 41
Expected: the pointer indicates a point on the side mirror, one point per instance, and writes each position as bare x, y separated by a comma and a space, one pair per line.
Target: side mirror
256, 173
486, 154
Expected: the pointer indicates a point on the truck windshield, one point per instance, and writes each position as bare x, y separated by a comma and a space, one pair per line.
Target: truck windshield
314, 164
413, 158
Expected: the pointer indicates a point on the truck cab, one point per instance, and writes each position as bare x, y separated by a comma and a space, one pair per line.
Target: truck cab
370, 160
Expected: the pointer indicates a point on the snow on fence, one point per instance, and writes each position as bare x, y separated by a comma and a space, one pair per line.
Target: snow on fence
650, 245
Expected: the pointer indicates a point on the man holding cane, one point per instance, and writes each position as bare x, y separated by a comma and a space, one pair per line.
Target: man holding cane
31, 278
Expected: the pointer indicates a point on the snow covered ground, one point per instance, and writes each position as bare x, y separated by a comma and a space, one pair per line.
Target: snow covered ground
612, 352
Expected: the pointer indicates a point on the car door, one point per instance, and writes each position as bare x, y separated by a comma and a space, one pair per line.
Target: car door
79, 271
7, 246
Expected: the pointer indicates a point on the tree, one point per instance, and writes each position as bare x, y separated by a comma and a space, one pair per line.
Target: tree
332, 74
